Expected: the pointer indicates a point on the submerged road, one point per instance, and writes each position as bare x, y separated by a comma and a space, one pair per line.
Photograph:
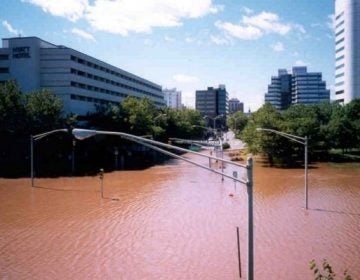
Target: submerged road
176, 221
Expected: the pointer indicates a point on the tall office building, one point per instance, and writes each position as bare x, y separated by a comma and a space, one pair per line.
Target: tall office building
235, 106
172, 98
347, 50
212, 103
81, 81
308, 87
279, 91
299, 87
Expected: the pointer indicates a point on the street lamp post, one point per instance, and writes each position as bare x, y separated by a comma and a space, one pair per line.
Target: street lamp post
214, 121
301, 140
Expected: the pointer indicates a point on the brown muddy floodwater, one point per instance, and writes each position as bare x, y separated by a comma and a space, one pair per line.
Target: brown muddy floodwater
177, 221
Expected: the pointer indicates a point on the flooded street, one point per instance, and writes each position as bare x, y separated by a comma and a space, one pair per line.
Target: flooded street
177, 221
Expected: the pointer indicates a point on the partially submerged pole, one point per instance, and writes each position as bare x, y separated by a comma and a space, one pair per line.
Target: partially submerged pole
249, 184
306, 172
101, 174
238, 246
32, 160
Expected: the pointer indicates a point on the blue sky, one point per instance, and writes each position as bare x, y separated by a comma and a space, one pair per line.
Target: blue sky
188, 44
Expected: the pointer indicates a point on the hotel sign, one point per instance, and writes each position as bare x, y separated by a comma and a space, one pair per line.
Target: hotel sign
21, 52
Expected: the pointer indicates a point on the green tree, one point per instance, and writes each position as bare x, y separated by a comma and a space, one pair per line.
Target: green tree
139, 115
12, 112
300, 120
267, 143
352, 114
183, 123
237, 122
44, 110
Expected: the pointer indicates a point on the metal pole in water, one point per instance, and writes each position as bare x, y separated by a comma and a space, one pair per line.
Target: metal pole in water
249, 184
32, 160
222, 164
239, 255
101, 173
306, 172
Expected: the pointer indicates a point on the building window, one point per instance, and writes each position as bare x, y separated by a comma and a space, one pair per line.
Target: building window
339, 41
339, 75
339, 24
4, 70
339, 15
339, 50
339, 84
339, 92
4, 56
340, 66
340, 32
340, 57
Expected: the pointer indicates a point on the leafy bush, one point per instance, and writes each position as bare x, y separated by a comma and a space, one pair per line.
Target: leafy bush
326, 273
225, 145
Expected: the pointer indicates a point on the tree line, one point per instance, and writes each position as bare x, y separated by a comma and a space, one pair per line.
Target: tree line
22, 115
329, 127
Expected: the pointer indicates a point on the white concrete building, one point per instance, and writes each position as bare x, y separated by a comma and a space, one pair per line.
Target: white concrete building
347, 50
172, 98
81, 81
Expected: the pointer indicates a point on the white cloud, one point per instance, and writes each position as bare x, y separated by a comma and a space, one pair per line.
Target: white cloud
278, 47
189, 39
300, 63
70, 9
255, 26
169, 39
238, 31
331, 22
219, 40
127, 16
182, 78
268, 22
247, 10
10, 28
299, 28
83, 34
124, 16
148, 42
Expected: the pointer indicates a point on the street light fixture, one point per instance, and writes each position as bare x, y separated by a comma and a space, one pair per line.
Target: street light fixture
37, 137
301, 140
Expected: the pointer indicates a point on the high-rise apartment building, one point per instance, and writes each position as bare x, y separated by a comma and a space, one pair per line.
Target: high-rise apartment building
172, 98
347, 50
213, 102
299, 87
81, 81
235, 106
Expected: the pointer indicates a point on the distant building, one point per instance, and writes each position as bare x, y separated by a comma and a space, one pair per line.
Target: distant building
299, 87
308, 88
81, 81
212, 103
279, 91
347, 50
235, 106
172, 98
